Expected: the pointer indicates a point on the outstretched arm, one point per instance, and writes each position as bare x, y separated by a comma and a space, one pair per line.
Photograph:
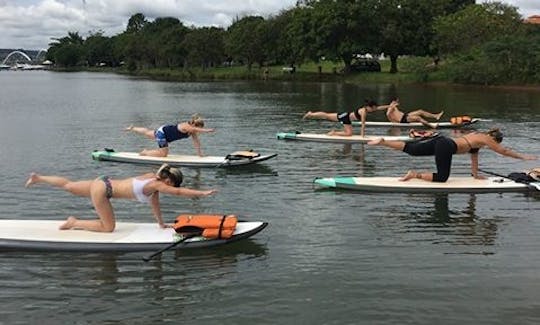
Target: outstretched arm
194, 129
493, 145
182, 191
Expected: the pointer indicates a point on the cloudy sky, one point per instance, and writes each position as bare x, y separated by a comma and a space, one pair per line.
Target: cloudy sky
30, 24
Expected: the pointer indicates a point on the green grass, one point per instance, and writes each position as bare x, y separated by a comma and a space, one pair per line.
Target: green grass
410, 70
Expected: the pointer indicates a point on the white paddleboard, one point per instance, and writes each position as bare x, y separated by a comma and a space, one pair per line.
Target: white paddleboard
316, 137
180, 160
454, 184
44, 235
418, 124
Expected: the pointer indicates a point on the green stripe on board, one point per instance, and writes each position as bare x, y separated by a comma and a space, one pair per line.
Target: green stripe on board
326, 182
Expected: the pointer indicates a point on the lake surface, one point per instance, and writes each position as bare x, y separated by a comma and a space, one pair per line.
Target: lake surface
327, 257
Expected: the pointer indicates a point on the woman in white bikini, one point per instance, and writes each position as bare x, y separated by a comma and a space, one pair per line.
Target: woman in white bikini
144, 188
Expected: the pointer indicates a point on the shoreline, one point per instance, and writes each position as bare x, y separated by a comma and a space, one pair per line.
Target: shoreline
257, 74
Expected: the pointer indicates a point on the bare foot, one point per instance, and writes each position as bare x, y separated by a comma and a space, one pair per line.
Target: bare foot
307, 115
439, 115
410, 175
129, 128
70, 222
375, 142
331, 132
31, 180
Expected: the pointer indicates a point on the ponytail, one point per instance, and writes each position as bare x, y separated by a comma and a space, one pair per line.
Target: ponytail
171, 173
196, 120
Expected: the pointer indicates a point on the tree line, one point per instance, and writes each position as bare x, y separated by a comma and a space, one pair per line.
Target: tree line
472, 43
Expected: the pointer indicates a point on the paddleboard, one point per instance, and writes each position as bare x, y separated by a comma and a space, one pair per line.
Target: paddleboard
44, 235
181, 160
458, 184
316, 137
418, 124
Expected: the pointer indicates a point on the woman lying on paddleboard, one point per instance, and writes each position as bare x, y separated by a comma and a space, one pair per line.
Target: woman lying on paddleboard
346, 117
144, 188
172, 132
396, 116
443, 148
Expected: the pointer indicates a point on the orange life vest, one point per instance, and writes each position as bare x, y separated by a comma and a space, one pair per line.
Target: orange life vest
211, 226
461, 119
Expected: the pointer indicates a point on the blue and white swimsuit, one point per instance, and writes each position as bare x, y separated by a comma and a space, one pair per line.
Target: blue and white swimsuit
168, 133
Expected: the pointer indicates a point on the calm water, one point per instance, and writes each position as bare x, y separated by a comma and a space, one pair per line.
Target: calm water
327, 257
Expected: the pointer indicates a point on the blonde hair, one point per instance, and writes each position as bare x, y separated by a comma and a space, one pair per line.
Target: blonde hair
197, 120
173, 174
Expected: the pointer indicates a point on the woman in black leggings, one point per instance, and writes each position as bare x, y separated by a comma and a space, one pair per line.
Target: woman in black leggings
443, 148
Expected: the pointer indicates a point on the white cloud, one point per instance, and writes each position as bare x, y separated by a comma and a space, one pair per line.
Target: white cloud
30, 24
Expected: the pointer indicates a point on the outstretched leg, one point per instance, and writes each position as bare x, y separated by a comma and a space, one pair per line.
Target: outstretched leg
422, 113
397, 145
149, 133
417, 118
321, 116
79, 188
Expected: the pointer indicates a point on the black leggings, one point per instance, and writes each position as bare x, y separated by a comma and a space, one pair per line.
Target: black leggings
441, 147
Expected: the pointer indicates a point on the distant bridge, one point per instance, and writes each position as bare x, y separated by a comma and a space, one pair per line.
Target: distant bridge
24, 55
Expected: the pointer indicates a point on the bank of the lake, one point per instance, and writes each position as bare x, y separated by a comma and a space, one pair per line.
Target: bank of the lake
327, 71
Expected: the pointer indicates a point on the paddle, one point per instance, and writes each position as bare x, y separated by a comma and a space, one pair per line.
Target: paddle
531, 185
149, 257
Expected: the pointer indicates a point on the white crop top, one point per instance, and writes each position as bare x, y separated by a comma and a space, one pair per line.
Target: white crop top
138, 186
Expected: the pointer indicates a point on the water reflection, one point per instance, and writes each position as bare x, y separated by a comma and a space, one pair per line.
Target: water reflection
430, 219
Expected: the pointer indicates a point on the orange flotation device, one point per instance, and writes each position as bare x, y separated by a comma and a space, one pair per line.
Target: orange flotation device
211, 226
464, 119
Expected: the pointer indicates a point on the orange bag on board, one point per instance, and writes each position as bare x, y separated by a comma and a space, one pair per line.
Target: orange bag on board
209, 225
461, 119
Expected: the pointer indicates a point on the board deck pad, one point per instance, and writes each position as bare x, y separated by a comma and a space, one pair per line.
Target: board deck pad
459, 184
44, 235
317, 137
180, 160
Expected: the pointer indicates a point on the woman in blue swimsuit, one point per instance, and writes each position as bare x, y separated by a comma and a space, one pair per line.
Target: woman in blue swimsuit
172, 132
443, 148
144, 188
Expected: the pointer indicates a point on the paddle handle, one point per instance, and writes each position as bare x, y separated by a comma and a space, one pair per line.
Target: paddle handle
149, 257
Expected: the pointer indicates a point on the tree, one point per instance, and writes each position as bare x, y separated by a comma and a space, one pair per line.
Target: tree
136, 23
341, 28
406, 27
163, 42
475, 25
205, 46
245, 41
66, 51
98, 49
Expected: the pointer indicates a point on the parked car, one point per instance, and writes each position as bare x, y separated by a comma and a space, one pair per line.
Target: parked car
365, 65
